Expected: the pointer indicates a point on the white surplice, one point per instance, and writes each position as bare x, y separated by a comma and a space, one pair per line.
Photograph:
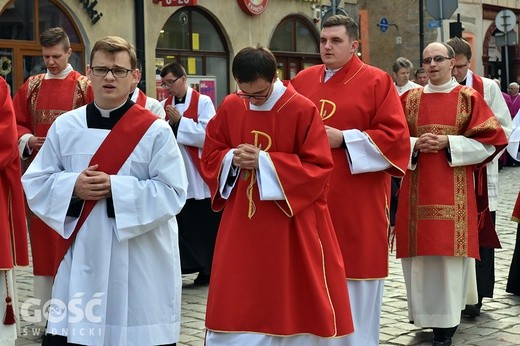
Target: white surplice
193, 133
120, 281
151, 104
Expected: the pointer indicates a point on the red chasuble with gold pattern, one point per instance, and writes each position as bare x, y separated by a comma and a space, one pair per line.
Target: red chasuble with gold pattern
39, 101
360, 97
277, 266
437, 212
37, 104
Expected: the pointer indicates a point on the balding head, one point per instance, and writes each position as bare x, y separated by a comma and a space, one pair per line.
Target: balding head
438, 61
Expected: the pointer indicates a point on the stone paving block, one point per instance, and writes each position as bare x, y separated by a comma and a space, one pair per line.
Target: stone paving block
498, 325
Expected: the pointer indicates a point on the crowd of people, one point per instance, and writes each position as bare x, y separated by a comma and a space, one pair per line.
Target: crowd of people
124, 194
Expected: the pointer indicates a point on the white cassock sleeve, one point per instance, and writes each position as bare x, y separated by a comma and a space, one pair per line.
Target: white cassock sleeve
362, 154
193, 133
149, 189
268, 184
155, 107
514, 141
227, 181
495, 101
142, 204
466, 151
49, 187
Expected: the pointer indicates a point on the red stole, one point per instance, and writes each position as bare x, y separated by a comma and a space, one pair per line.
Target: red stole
141, 98
488, 237
191, 113
122, 139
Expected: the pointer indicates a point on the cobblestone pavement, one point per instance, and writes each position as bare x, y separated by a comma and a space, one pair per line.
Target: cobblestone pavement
498, 325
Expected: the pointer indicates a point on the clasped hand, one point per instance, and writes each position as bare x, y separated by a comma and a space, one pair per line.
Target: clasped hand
431, 143
35, 143
92, 184
173, 114
246, 156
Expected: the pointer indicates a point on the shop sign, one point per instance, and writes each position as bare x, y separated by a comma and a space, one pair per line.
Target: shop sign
253, 7
176, 2
92, 13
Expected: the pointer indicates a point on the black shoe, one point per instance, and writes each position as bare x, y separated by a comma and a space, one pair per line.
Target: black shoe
471, 311
442, 341
202, 279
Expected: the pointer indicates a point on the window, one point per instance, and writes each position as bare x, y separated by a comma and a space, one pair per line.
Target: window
19, 38
295, 44
193, 39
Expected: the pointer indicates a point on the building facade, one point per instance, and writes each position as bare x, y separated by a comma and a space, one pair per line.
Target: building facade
204, 35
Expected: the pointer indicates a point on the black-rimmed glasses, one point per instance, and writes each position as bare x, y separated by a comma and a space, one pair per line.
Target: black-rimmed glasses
118, 72
169, 83
461, 65
437, 58
260, 97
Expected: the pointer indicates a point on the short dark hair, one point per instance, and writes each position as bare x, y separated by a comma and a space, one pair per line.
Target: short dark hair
451, 52
174, 68
54, 36
419, 70
350, 25
460, 46
400, 63
253, 63
113, 45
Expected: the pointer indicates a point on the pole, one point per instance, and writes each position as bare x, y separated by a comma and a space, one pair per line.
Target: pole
139, 38
421, 28
507, 62
441, 19
397, 39
333, 3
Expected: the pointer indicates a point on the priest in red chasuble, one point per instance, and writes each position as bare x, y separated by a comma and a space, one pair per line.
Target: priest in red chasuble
40, 100
13, 231
369, 142
453, 132
277, 271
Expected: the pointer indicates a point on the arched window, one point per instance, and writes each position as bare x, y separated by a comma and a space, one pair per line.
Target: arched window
20, 50
295, 44
193, 39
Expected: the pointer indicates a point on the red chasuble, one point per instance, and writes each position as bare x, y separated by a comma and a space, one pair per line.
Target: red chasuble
37, 104
437, 212
13, 232
360, 97
516, 210
279, 272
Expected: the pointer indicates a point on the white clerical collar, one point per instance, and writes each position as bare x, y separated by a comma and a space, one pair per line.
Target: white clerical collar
105, 113
134, 94
443, 88
401, 89
469, 78
278, 91
330, 72
60, 75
